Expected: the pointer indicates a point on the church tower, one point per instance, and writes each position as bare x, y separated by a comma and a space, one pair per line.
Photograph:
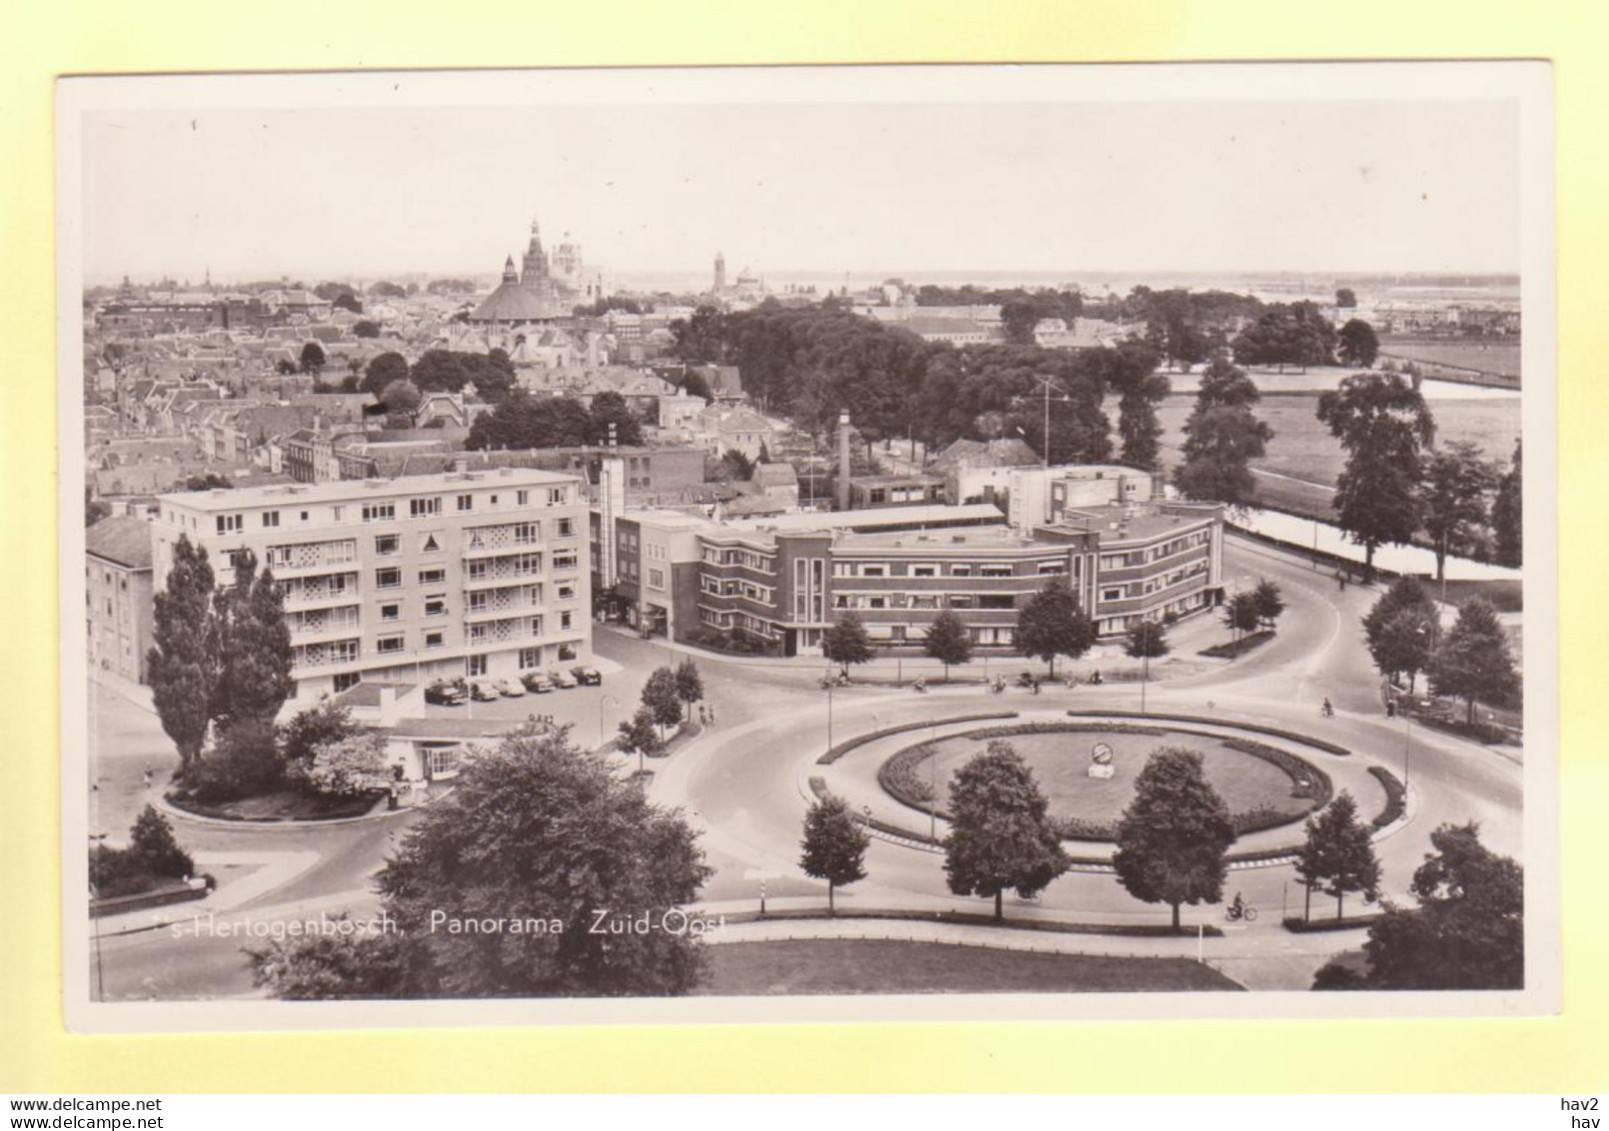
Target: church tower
509, 274
720, 272
536, 260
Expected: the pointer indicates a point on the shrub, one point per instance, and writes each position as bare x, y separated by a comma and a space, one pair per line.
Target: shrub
1299, 926
859, 740
244, 762
1396, 797
152, 844
1305, 740
116, 871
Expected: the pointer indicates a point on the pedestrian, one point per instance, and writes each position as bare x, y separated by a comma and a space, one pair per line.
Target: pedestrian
1036, 687
712, 716
148, 777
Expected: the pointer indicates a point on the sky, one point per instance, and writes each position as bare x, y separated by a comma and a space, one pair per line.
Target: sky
1182, 186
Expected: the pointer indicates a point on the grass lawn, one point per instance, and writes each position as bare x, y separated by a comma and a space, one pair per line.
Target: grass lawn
1060, 762
1501, 358
1304, 451
851, 966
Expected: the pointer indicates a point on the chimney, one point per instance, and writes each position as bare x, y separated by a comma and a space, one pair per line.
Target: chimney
461, 466
843, 460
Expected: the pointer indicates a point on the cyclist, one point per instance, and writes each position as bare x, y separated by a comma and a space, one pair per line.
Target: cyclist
1327, 711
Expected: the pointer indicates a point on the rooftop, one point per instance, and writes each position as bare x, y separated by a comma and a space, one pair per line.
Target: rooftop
353, 489
1117, 523
883, 518
368, 694
123, 539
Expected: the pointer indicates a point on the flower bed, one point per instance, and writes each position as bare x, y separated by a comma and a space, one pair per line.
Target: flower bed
1233, 648
1396, 797
281, 805
1276, 732
1299, 926
860, 740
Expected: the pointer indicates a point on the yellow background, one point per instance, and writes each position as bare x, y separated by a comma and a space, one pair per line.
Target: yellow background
1565, 1053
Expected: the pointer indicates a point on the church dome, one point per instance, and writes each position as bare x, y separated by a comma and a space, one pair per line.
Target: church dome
511, 302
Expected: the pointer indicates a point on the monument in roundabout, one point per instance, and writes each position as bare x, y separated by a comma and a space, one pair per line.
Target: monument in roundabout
1100, 761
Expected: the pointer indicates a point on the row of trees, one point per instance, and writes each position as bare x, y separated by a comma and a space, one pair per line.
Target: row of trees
667, 697
440, 370
522, 420
1394, 484
1471, 662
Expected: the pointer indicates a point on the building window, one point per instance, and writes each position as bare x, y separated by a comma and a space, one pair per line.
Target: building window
388, 644
433, 640
961, 570
996, 601
656, 578
230, 524
304, 516
531, 657
566, 619
475, 665
335, 513
270, 518
344, 681
435, 606
391, 612
995, 571
555, 496
466, 502
424, 508
430, 544
924, 571
387, 544
1112, 594
388, 578
566, 527
564, 561
379, 512
566, 591
441, 761
432, 576
522, 498
960, 600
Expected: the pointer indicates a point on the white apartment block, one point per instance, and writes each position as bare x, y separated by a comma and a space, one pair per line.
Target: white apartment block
410, 579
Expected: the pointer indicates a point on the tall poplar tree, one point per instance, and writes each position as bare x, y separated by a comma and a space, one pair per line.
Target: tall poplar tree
1508, 526
183, 660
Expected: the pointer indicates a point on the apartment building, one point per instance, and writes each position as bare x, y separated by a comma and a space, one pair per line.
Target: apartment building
117, 594
467, 573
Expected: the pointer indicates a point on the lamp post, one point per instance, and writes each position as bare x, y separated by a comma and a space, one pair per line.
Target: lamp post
602, 700
829, 714
932, 781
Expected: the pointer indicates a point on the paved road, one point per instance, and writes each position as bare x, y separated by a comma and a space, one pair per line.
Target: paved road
743, 784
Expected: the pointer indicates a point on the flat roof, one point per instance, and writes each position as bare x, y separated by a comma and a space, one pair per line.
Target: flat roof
1139, 523
970, 538
873, 518
342, 490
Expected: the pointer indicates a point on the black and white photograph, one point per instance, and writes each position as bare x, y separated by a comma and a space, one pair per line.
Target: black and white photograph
807, 543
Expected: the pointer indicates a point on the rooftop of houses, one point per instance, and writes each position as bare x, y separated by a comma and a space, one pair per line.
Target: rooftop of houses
238, 498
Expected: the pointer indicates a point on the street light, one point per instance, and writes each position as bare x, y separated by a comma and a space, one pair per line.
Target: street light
932, 781
602, 700
829, 714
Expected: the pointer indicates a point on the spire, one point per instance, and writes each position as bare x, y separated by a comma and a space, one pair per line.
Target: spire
509, 275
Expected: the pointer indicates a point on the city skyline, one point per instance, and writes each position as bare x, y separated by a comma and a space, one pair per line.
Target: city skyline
808, 190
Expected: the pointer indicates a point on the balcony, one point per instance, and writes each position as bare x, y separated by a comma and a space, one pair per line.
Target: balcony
311, 558
318, 593
314, 657
490, 541
320, 626
501, 602
500, 574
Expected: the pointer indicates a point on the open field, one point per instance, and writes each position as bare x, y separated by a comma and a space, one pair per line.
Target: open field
1310, 460
846, 966
1499, 358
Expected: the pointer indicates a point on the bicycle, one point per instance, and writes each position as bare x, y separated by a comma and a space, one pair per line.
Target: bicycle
1233, 913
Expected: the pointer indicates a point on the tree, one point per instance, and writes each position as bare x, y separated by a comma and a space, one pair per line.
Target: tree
1383, 424
94, 509
1399, 629
244, 761
366, 329
312, 358
254, 646
1173, 837
1338, 856
1270, 603
846, 642
497, 890
382, 370
208, 481
689, 684
1241, 614
660, 695
1147, 640
400, 398
1222, 437
1508, 526
1001, 835
609, 411
1468, 931
1473, 662
1457, 481
948, 641
351, 766
740, 466
322, 724
1345, 298
1052, 624
182, 664
152, 842
640, 736
834, 846
1357, 344
347, 301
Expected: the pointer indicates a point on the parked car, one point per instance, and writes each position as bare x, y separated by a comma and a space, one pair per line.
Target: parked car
589, 677
537, 682
561, 678
484, 690
445, 694
512, 688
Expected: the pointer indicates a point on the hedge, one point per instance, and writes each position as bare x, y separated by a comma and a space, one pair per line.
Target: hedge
900, 778
1396, 797
1125, 930
860, 740
1230, 649
1300, 926
1305, 740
